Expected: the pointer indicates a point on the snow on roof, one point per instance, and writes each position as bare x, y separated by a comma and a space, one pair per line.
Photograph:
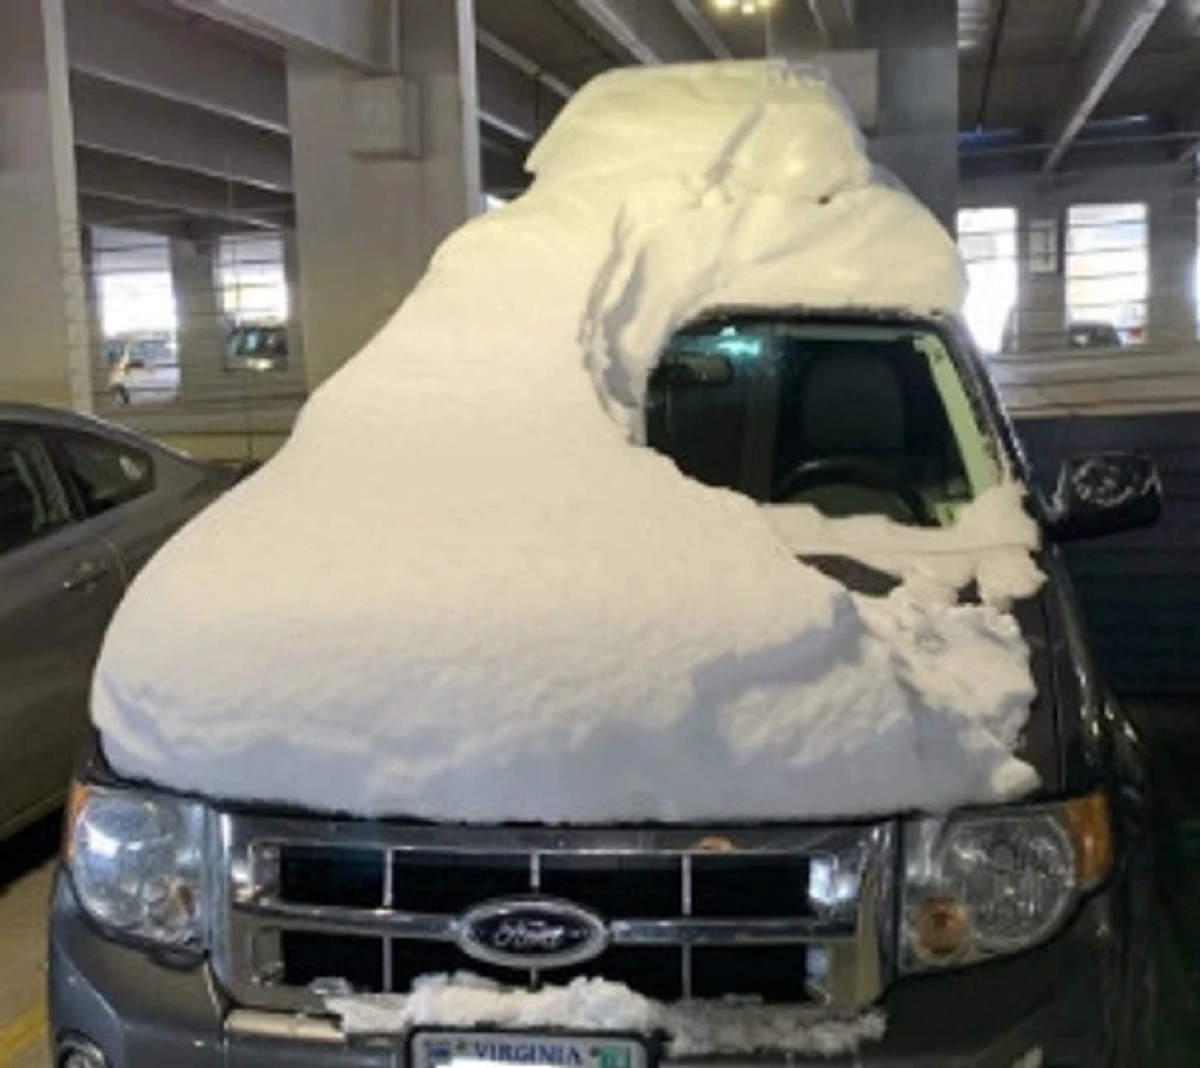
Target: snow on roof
460, 591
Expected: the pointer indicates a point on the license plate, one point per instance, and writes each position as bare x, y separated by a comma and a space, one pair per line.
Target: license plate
528, 1049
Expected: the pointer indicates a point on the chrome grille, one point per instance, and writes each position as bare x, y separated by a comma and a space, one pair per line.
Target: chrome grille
786, 914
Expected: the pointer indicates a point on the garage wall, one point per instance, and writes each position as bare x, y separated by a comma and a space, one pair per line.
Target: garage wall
1170, 192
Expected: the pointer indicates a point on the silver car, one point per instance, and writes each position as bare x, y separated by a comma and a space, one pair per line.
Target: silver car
83, 505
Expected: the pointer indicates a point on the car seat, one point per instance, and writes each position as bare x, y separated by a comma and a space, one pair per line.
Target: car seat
852, 407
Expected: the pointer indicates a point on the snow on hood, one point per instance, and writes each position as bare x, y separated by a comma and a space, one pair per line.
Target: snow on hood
460, 592
990, 545
695, 1028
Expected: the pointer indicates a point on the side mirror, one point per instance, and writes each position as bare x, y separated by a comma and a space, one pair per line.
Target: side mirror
1104, 493
694, 369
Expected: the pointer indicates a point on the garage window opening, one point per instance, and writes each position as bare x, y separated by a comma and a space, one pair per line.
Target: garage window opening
987, 240
252, 280
1108, 272
853, 419
133, 282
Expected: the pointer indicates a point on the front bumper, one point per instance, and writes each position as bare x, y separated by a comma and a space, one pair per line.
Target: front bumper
1061, 1000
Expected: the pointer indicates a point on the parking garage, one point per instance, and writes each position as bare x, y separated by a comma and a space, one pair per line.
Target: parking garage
437, 719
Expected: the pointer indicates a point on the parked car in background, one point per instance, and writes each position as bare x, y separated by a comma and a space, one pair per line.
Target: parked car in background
1130, 321
1098, 335
143, 368
258, 347
83, 505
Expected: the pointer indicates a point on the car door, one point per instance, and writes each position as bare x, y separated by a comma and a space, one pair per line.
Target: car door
59, 584
128, 492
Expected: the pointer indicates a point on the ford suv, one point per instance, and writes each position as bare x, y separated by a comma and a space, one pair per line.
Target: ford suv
196, 932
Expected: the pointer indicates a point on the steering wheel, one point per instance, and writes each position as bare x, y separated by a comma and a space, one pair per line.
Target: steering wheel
855, 471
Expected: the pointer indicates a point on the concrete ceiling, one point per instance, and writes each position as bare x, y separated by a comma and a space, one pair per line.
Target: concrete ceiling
180, 106
1072, 83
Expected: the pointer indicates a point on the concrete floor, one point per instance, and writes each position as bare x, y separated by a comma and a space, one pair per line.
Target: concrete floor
25, 873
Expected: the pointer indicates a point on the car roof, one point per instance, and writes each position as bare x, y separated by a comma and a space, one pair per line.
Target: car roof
65, 419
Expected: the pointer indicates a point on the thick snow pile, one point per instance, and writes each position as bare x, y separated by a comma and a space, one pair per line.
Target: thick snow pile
990, 544
695, 1028
461, 592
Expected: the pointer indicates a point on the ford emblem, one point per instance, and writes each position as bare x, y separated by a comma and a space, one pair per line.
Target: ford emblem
530, 932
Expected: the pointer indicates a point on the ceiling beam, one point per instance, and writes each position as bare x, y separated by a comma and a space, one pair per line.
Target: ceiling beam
512, 101
96, 210
647, 33
1028, 146
128, 122
363, 34
488, 41
140, 49
835, 22
1119, 28
164, 189
1084, 23
1190, 152
703, 28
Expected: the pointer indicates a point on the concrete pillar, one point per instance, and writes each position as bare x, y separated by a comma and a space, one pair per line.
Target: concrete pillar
295, 322
41, 280
1171, 315
916, 136
373, 201
201, 332
91, 300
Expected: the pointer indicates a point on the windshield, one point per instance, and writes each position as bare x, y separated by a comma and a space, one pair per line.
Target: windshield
151, 351
855, 419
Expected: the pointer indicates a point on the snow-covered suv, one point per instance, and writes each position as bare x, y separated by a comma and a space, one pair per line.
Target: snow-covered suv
648, 649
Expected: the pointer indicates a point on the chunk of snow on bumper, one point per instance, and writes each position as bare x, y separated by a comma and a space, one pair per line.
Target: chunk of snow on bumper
587, 1005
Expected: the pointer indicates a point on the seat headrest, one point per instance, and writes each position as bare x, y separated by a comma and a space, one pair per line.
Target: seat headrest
853, 403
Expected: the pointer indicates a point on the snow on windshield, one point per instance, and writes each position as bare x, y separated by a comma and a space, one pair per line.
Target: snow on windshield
464, 592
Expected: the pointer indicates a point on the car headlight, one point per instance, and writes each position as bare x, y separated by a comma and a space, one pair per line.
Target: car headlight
136, 860
979, 885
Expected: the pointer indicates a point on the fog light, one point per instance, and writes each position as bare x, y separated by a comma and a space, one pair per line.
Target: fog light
76, 1052
940, 929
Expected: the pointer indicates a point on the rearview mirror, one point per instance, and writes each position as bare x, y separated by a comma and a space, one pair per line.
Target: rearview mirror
1104, 493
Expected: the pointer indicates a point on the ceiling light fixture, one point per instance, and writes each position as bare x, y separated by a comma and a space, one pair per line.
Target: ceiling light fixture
745, 7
